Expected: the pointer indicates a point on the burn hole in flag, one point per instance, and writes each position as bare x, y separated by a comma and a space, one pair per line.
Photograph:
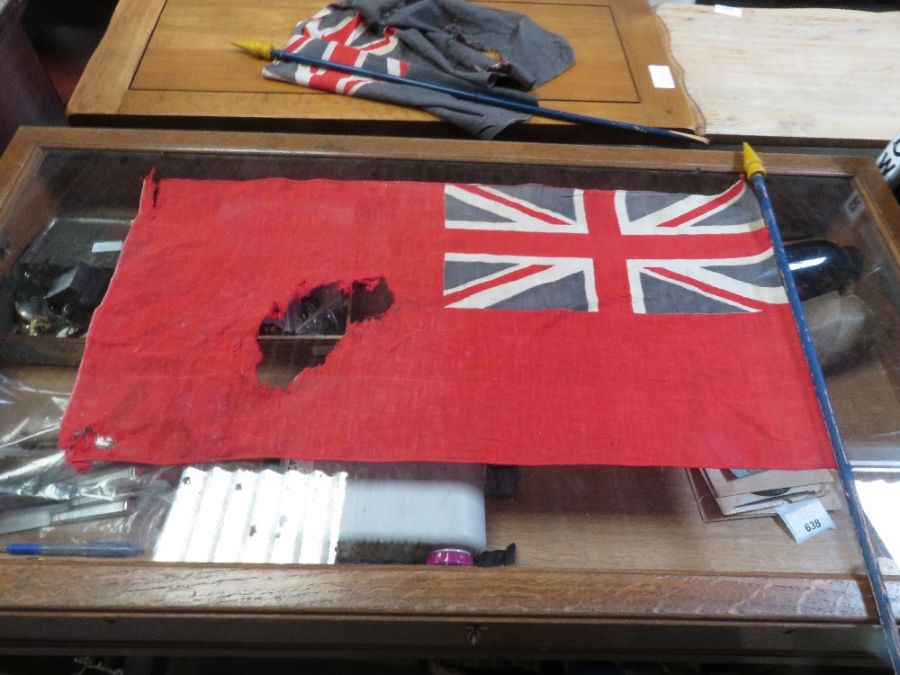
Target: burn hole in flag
304, 333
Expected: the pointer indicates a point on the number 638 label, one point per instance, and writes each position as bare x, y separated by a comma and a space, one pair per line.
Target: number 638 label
805, 519
812, 525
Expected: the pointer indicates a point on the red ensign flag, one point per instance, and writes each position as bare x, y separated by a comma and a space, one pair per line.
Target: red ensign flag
528, 325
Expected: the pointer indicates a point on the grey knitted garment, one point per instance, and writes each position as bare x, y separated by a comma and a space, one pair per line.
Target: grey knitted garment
441, 41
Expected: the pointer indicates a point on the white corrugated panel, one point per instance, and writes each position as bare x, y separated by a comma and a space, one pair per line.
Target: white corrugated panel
253, 517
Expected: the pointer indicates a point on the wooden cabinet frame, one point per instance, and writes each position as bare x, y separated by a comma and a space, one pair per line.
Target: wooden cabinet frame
115, 606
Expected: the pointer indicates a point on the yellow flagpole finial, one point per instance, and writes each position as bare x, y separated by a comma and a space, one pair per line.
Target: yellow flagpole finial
257, 48
752, 163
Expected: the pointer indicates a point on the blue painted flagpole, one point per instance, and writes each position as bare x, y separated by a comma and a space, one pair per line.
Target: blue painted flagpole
755, 171
266, 51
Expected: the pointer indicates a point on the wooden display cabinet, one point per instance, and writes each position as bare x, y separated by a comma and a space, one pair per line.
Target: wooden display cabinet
613, 561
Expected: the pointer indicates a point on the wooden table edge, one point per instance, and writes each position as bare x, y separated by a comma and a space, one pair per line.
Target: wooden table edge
502, 152
376, 590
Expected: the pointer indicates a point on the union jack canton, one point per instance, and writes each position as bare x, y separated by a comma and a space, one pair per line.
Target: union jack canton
663, 284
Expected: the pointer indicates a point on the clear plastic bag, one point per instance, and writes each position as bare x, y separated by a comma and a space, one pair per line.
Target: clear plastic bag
43, 499
29, 416
47, 475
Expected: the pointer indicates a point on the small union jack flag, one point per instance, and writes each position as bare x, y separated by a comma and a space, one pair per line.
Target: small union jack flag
663, 284
347, 40
412, 39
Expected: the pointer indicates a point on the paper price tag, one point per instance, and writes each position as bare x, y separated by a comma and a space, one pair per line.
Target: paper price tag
728, 10
854, 206
106, 246
805, 519
662, 77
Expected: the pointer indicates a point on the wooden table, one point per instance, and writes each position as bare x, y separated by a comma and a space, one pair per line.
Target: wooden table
785, 76
790, 76
612, 561
170, 63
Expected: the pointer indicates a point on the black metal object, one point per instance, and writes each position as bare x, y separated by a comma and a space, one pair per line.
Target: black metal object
50, 300
820, 266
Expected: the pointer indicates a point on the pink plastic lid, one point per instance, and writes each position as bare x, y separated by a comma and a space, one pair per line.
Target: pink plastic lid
449, 556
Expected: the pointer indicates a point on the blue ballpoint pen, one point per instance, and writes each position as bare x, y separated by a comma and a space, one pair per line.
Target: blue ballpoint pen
92, 549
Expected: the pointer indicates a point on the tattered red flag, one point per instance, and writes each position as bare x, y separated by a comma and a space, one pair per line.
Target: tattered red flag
527, 325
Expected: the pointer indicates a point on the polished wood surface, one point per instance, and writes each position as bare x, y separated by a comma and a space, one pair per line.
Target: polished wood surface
612, 560
173, 59
790, 74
